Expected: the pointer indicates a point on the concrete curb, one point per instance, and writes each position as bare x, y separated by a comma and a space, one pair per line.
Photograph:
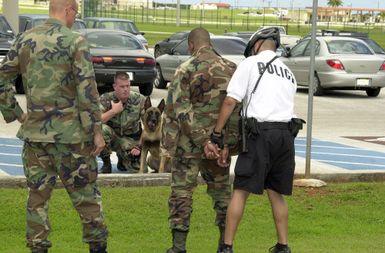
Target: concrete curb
143, 180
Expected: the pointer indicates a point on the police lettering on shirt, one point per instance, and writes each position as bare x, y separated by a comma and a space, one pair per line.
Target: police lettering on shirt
273, 69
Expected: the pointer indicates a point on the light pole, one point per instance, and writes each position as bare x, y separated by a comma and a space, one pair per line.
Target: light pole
177, 12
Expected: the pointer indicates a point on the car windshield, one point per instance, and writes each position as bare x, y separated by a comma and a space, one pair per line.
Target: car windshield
376, 48
229, 46
120, 25
112, 41
5, 30
347, 47
78, 25
39, 21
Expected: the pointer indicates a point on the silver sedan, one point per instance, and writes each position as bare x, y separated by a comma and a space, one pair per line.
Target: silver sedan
341, 63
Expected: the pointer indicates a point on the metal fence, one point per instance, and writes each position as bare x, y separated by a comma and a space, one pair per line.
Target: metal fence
246, 18
239, 18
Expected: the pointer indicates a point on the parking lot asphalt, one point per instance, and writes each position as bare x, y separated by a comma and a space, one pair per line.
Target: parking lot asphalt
348, 143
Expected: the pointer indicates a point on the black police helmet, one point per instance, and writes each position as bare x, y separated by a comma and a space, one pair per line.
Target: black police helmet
263, 34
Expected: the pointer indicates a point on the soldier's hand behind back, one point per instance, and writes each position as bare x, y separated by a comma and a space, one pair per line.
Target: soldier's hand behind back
117, 107
99, 144
224, 161
211, 150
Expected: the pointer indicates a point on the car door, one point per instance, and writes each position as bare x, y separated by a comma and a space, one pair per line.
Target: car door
296, 60
303, 63
179, 54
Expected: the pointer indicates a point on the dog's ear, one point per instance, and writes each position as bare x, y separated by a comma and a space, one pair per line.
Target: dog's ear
161, 105
147, 103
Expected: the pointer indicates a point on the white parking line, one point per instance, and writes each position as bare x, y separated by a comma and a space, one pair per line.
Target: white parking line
350, 163
10, 145
324, 146
11, 164
9, 154
342, 154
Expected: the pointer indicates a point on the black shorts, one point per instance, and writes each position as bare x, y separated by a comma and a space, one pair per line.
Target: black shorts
268, 164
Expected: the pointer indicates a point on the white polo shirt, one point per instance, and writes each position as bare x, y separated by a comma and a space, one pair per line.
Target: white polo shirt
273, 100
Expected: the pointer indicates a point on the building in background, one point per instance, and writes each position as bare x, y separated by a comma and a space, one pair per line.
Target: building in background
210, 6
133, 3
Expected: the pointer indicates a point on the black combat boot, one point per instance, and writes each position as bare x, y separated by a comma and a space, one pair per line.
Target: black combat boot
39, 251
106, 168
178, 241
98, 248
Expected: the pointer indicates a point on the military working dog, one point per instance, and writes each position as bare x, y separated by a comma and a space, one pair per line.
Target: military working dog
151, 135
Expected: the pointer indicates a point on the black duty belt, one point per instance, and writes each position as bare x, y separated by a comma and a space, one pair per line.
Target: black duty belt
272, 125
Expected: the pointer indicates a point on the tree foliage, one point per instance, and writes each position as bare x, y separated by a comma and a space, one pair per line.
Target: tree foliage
335, 3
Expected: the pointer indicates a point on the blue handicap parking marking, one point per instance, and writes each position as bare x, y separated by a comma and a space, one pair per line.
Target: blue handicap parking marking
10, 157
340, 155
336, 154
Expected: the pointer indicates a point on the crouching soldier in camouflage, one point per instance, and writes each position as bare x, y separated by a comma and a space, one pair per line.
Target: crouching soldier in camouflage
121, 112
62, 127
194, 98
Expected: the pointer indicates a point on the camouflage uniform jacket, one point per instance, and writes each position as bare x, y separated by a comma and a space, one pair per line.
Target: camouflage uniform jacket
127, 122
193, 103
59, 83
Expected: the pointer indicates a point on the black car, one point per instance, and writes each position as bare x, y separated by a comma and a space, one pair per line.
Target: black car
113, 51
165, 45
243, 35
28, 21
116, 24
6, 37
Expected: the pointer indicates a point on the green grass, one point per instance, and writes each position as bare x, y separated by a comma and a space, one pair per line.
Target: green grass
337, 219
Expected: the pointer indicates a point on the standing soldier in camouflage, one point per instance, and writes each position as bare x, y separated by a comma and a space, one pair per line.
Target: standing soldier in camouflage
62, 127
122, 110
194, 98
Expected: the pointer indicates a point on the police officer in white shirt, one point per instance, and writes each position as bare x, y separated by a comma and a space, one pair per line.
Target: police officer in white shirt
269, 162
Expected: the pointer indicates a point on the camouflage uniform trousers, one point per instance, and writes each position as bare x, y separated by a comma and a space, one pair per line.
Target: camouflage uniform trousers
184, 172
77, 169
122, 145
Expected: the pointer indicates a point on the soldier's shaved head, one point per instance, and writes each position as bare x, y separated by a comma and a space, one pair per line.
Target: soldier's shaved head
64, 10
198, 37
58, 5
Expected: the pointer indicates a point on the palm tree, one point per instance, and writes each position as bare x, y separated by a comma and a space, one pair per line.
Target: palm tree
382, 16
335, 3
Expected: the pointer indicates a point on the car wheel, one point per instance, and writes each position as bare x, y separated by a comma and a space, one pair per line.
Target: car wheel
317, 88
159, 81
146, 89
19, 85
157, 52
373, 92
